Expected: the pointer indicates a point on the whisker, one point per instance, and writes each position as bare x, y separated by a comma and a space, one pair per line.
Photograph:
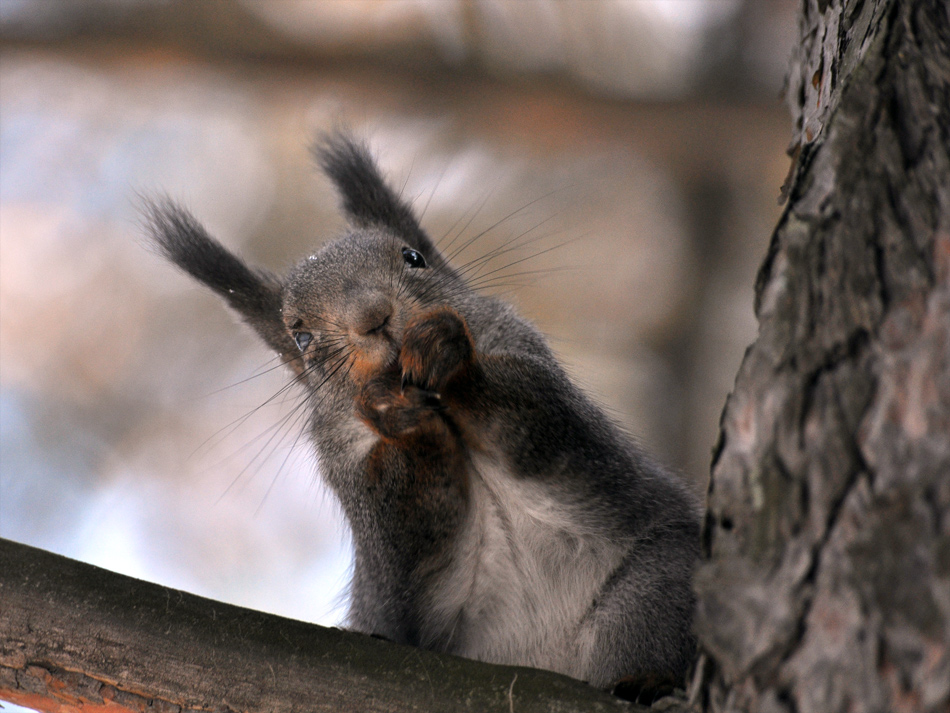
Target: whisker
438, 182
514, 244
465, 227
283, 463
272, 432
280, 429
228, 429
494, 225
258, 373
525, 259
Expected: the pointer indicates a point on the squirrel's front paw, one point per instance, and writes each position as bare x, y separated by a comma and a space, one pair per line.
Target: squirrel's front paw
436, 347
392, 410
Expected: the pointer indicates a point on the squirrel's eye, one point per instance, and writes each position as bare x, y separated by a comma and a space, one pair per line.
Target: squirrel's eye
413, 258
303, 340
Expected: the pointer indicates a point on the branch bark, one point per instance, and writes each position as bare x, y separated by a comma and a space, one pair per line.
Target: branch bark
826, 585
76, 637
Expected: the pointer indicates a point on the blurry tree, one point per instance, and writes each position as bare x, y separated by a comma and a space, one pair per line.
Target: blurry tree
826, 579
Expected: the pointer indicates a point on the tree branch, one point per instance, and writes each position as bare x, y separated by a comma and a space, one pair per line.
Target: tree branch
74, 636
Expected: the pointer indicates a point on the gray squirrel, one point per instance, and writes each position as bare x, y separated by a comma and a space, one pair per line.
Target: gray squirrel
496, 512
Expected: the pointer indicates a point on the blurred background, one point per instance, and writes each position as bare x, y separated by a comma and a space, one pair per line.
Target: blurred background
633, 150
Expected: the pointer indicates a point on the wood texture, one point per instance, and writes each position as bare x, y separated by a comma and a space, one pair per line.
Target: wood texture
76, 637
826, 585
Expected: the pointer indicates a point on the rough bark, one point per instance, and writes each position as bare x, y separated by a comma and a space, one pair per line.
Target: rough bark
826, 581
76, 637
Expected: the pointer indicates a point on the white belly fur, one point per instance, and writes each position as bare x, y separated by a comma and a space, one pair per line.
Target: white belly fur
523, 575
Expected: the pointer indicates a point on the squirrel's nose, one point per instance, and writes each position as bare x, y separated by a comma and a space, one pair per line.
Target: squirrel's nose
374, 315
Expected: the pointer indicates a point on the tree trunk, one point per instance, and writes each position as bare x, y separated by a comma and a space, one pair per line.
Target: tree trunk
826, 581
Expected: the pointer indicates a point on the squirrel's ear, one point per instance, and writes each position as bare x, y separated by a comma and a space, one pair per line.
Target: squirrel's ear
367, 200
255, 294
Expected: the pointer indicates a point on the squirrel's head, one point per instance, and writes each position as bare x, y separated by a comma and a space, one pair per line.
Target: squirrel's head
339, 313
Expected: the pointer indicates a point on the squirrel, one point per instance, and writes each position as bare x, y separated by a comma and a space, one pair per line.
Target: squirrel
496, 512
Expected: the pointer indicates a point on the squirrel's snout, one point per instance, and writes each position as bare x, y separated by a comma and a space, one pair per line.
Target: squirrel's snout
371, 336
373, 316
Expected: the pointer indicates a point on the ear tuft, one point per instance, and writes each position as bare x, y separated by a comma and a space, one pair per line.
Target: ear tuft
184, 241
367, 200
255, 294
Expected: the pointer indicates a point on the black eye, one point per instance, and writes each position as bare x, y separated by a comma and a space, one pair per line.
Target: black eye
303, 340
413, 258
